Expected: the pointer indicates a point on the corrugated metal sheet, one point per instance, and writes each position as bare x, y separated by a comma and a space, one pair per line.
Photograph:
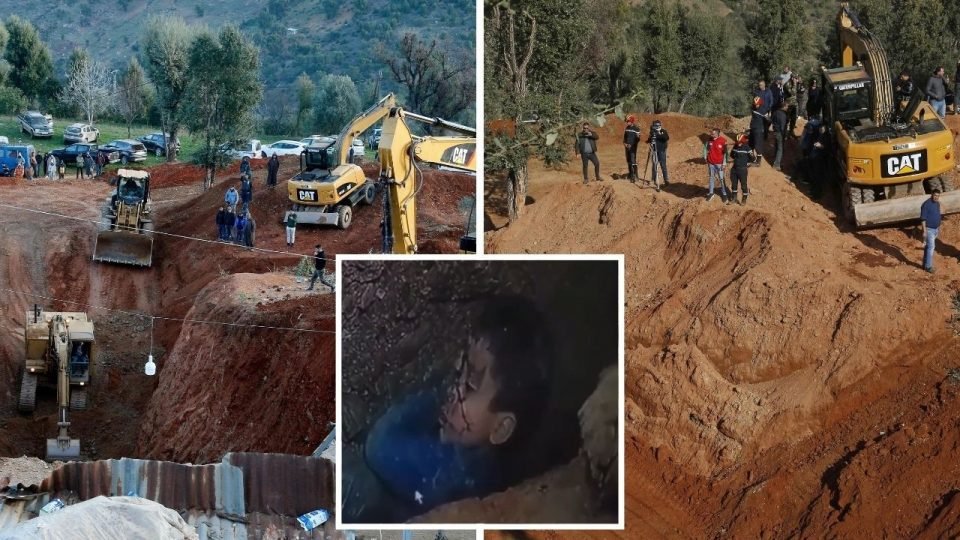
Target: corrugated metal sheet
216, 487
285, 484
213, 527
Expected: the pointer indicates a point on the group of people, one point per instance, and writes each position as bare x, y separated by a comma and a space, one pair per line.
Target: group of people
49, 167
238, 228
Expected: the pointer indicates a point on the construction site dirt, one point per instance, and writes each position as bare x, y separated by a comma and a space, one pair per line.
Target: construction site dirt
786, 374
218, 388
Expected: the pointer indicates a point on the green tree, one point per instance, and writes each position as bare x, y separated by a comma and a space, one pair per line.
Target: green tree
133, 94
780, 35
221, 92
305, 92
31, 68
166, 56
336, 103
663, 63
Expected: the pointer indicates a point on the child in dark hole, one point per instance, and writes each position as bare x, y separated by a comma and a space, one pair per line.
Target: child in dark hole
458, 440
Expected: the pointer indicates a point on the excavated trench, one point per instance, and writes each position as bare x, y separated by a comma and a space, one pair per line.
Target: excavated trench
218, 388
785, 376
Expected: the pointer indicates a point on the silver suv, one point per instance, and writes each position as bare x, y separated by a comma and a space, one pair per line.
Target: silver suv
80, 133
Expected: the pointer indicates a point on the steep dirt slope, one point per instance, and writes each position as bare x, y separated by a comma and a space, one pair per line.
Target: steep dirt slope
761, 336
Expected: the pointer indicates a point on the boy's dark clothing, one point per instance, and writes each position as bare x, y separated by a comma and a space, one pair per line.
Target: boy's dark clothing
405, 452
631, 139
658, 140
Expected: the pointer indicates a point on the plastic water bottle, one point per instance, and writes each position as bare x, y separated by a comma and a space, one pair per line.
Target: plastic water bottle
151, 368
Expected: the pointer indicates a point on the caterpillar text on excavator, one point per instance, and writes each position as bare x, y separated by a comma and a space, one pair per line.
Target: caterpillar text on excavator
889, 157
59, 351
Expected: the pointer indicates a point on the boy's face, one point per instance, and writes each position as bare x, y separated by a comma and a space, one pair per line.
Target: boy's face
466, 418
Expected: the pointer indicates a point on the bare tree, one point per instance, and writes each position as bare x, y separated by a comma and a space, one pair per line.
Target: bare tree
438, 82
131, 99
89, 88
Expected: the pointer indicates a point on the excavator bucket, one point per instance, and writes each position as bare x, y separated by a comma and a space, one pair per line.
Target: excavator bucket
60, 449
124, 248
901, 210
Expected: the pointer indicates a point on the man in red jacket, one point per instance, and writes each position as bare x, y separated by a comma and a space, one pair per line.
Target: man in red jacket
715, 152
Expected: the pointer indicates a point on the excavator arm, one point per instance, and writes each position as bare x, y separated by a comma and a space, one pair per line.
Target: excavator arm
62, 446
400, 154
361, 123
857, 44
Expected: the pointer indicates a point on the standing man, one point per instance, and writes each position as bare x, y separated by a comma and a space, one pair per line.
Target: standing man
766, 103
240, 226
229, 221
813, 99
272, 167
320, 269
249, 231
930, 214
246, 192
937, 92
715, 152
52, 167
758, 124
658, 145
245, 166
631, 139
802, 96
742, 156
780, 121
291, 228
785, 76
778, 95
903, 89
587, 148
231, 197
221, 221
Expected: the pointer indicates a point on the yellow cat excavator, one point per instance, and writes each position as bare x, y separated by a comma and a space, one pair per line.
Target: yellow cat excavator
60, 348
328, 185
889, 157
401, 153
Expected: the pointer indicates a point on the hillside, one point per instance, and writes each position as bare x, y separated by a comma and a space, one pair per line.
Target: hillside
316, 37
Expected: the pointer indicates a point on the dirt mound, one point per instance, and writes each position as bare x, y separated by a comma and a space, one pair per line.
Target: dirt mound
224, 388
767, 348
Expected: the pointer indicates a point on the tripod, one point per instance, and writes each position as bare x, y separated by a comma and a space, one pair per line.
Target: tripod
651, 152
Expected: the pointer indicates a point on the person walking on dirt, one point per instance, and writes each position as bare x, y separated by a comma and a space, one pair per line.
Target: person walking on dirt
229, 221
101, 161
816, 158
587, 148
28, 168
34, 171
291, 228
231, 198
658, 146
89, 164
937, 92
715, 153
79, 167
273, 166
631, 139
245, 166
780, 124
742, 156
320, 269
221, 222
930, 215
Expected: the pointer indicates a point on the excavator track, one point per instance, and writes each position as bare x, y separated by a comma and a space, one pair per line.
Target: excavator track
78, 399
28, 393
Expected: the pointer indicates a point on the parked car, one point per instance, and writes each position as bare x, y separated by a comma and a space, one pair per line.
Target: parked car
130, 151
251, 148
9, 155
156, 143
69, 154
35, 124
358, 148
80, 133
284, 148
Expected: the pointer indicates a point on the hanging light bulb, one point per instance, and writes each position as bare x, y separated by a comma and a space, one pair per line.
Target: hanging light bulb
150, 368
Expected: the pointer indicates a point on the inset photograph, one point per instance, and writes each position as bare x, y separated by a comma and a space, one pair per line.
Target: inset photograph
483, 392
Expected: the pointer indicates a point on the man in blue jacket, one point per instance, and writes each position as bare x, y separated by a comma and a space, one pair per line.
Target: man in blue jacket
930, 216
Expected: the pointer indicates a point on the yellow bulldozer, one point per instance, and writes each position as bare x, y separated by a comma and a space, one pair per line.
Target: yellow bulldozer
60, 350
127, 237
889, 156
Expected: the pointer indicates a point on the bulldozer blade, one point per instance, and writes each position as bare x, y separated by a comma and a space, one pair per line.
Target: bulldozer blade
56, 451
901, 210
124, 248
